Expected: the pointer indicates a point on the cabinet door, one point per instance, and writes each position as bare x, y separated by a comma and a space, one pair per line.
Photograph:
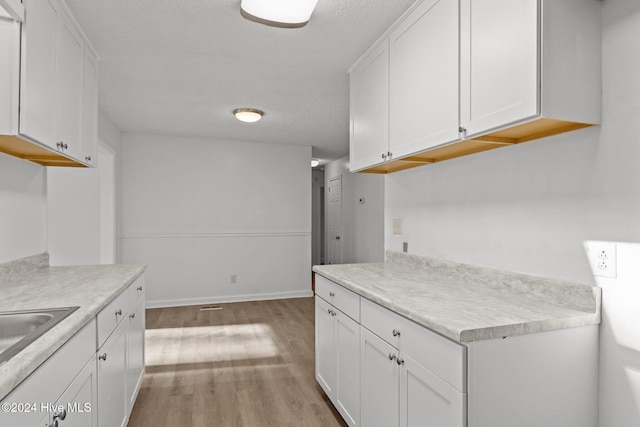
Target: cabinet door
38, 81
347, 339
90, 109
69, 87
326, 369
135, 352
499, 63
80, 398
112, 372
369, 138
379, 381
424, 78
426, 400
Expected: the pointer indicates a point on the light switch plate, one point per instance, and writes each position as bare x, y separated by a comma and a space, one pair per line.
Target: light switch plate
397, 225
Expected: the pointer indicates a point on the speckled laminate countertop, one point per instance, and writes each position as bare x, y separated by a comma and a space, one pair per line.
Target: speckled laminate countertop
467, 303
31, 284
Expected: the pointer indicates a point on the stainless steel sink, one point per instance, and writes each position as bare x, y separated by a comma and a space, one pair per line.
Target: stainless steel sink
18, 329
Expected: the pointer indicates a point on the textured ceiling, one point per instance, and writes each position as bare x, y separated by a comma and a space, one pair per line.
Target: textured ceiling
180, 67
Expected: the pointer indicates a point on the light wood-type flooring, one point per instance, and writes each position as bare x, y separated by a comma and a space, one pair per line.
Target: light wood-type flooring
248, 364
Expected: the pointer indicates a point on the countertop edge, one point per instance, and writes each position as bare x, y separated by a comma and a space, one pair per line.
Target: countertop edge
21, 366
475, 334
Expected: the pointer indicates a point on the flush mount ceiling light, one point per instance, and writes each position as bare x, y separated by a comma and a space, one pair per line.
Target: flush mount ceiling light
314, 162
278, 13
248, 115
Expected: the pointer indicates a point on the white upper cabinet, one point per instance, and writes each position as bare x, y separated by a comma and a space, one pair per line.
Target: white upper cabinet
471, 75
423, 88
90, 108
52, 118
69, 88
499, 63
38, 82
369, 142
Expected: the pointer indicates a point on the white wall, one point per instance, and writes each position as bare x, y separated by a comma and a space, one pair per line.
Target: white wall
529, 208
22, 208
197, 211
362, 224
110, 134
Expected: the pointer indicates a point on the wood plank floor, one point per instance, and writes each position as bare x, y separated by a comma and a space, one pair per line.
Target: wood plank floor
248, 364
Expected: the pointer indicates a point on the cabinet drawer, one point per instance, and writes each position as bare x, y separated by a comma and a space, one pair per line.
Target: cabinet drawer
441, 356
111, 316
340, 297
135, 291
381, 322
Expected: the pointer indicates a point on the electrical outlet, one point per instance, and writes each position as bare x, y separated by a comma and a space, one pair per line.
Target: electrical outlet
602, 258
234, 279
397, 225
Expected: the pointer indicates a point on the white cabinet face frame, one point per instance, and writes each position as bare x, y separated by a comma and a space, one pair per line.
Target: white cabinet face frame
326, 369
500, 63
424, 85
347, 343
112, 400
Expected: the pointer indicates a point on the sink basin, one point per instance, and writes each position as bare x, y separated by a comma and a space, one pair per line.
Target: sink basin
18, 329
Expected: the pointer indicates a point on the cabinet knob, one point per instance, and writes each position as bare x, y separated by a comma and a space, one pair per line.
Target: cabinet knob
389, 154
103, 357
88, 158
392, 356
331, 294
462, 129
132, 316
119, 312
400, 361
60, 415
384, 156
139, 288
396, 333
54, 423
65, 146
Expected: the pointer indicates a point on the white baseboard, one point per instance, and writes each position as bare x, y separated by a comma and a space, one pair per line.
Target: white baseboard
224, 299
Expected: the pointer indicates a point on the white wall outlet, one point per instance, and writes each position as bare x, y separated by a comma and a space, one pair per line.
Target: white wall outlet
397, 225
234, 279
602, 258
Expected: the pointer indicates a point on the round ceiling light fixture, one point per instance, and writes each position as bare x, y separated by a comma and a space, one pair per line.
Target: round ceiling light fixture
314, 162
248, 115
278, 13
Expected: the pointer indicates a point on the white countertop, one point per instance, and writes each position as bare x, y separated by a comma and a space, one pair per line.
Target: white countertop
39, 286
468, 303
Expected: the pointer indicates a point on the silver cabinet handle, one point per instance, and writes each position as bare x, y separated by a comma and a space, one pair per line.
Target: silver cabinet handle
389, 154
88, 158
400, 361
462, 129
119, 312
60, 415
384, 156
139, 288
396, 333
132, 316
392, 356
331, 294
103, 357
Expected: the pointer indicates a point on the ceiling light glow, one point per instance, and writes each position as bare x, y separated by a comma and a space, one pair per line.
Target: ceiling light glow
314, 162
278, 13
248, 115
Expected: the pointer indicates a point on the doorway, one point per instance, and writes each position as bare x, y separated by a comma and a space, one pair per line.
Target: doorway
335, 220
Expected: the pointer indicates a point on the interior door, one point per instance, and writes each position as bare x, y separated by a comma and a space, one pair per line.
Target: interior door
335, 220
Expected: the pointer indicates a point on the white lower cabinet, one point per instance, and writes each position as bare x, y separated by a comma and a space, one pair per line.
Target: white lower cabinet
112, 369
135, 352
379, 385
121, 356
337, 359
78, 401
64, 382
